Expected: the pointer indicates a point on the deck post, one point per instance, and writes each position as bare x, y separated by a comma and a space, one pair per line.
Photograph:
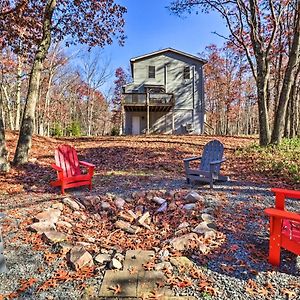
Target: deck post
148, 113
173, 121
122, 129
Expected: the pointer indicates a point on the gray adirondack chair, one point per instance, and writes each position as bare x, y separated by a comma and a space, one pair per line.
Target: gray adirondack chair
210, 164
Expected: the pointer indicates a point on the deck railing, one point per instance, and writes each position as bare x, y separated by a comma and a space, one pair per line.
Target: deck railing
151, 99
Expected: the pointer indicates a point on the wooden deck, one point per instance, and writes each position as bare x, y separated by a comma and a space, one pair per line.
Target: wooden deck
143, 101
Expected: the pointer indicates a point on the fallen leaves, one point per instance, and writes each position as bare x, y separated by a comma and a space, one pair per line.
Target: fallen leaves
289, 293
266, 290
116, 289
26, 284
61, 275
155, 295
49, 257
226, 268
149, 266
50, 283
132, 270
127, 163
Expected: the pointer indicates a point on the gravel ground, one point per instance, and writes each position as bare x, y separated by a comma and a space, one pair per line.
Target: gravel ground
238, 269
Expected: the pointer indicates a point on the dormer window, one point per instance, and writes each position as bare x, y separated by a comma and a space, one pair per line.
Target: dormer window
186, 73
151, 72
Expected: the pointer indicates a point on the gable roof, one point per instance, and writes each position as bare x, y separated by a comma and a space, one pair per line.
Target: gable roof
155, 53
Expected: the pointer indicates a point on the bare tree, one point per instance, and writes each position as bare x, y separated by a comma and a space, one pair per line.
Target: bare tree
95, 72
253, 27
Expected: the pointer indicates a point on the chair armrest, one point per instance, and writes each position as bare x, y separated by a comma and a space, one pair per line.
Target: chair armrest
86, 164
282, 194
287, 193
56, 168
282, 214
215, 162
192, 158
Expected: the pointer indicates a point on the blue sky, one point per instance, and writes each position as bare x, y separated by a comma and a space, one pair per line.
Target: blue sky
150, 27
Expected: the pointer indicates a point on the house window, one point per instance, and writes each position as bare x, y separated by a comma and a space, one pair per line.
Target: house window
151, 72
186, 73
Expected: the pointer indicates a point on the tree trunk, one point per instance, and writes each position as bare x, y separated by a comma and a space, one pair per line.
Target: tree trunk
278, 68
18, 94
4, 164
287, 82
288, 116
263, 72
27, 127
294, 98
297, 115
90, 113
264, 126
8, 107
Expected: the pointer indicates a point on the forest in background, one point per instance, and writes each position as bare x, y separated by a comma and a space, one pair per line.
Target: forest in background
70, 101
252, 82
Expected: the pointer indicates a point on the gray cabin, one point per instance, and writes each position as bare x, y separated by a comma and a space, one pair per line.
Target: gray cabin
166, 95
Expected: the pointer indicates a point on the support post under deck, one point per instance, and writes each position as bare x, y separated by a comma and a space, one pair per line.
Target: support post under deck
148, 114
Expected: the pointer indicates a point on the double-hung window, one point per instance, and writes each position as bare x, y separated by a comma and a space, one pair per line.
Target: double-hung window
186, 73
151, 72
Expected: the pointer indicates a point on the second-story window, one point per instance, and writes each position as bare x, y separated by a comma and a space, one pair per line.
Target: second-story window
186, 73
151, 72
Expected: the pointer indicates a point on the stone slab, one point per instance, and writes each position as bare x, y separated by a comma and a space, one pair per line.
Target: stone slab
148, 281
161, 298
3, 268
181, 261
118, 298
137, 258
127, 282
180, 298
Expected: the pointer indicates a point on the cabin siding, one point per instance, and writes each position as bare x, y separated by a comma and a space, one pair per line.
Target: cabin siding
160, 122
189, 105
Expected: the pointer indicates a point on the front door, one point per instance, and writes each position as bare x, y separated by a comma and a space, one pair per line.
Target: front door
136, 125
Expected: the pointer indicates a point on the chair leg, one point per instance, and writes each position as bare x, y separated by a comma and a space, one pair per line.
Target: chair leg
274, 253
275, 241
90, 186
188, 180
62, 190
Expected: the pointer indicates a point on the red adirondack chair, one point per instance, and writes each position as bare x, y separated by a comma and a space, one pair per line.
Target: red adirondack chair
284, 226
68, 169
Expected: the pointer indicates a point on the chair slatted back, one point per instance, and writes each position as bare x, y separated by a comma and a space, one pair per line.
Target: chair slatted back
291, 229
66, 158
212, 151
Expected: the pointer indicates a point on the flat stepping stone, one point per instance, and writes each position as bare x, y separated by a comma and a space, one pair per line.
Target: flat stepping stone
126, 281
135, 259
134, 281
162, 298
3, 268
149, 281
141, 284
118, 298
180, 298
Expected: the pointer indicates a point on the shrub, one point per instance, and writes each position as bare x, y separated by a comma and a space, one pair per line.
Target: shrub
115, 131
56, 130
74, 129
281, 160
